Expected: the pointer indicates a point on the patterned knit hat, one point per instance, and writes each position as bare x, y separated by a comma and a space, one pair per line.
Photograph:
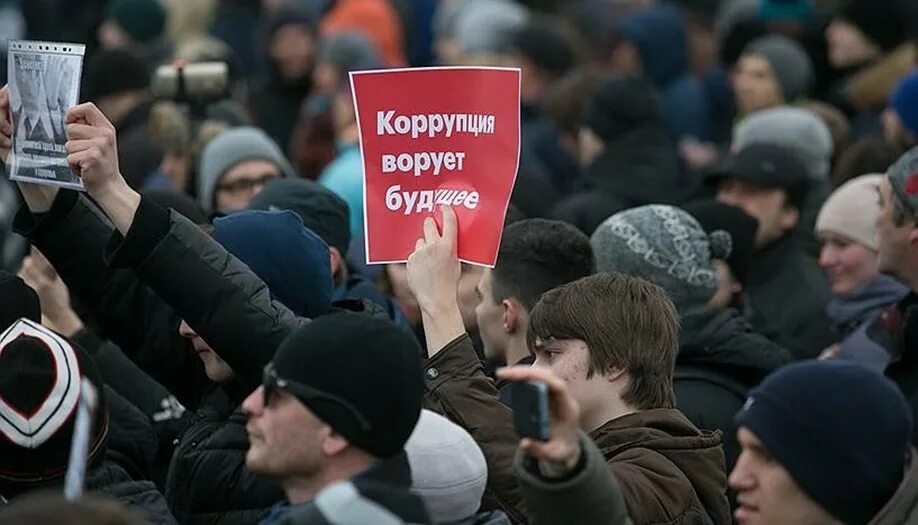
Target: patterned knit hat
40, 375
665, 245
903, 177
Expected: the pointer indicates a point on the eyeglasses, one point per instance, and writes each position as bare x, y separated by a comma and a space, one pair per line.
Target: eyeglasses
247, 184
270, 383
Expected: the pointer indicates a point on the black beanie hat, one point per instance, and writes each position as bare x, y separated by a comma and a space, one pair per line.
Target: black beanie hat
546, 47
366, 361
17, 300
742, 227
322, 211
110, 71
622, 103
40, 376
885, 22
841, 430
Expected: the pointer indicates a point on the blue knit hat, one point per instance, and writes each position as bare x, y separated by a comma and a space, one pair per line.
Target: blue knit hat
841, 430
291, 259
904, 101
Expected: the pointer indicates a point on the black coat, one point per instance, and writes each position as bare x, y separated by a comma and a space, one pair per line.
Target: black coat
639, 168
164, 256
720, 359
141, 497
897, 330
787, 297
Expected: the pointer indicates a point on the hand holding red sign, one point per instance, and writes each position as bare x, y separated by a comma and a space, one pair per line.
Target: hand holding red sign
435, 137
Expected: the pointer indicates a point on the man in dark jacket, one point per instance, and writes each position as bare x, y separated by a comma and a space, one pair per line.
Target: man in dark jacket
897, 239
535, 256
787, 290
627, 157
812, 457
332, 432
143, 307
720, 357
613, 340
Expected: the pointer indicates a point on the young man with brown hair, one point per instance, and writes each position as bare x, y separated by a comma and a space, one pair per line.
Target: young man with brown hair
613, 340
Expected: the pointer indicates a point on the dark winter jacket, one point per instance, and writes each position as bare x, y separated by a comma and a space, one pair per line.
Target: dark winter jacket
591, 495
902, 508
640, 167
139, 496
787, 294
852, 315
670, 472
177, 272
897, 330
720, 359
381, 494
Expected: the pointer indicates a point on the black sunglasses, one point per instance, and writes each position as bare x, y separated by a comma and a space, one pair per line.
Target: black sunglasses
271, 382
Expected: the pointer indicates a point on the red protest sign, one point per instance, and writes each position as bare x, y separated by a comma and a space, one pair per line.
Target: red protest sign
432, 137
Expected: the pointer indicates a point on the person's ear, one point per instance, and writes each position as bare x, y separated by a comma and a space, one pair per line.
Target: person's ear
511, 319
335, 260
913, 235
333, 443
790, 216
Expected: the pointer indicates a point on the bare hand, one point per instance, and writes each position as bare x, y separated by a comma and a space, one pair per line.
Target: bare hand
6, 125
433, 268
92, 152
56, 311
560, 454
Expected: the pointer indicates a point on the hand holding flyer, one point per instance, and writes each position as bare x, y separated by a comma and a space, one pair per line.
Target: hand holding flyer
44, 84
433, 137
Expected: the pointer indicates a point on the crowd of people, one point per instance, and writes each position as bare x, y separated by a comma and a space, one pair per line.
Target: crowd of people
710, 260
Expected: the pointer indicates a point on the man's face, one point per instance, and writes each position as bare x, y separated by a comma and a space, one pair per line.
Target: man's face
217, 369
847, 45
755, 85
490, 316
892, 240
468, 295
241, 183
293, 51
766, 493
285, 437
768, 205
569, 359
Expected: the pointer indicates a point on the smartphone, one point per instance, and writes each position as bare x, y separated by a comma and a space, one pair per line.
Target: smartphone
529, 401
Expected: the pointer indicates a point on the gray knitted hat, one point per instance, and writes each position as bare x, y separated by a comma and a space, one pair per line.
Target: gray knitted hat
791, 65
903, 177
793, 128
665, 245
231, 147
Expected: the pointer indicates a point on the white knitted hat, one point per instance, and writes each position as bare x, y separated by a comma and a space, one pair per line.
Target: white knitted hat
852, 210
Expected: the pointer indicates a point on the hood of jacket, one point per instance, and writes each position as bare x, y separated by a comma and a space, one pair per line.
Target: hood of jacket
846, 313
697, 454
725, 340
292, 260
660, 36
902, 508
640, 167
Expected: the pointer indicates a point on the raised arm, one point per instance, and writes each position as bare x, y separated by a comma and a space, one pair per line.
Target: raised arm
455, 383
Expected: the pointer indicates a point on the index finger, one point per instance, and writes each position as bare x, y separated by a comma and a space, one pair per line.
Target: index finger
450, 224
89, 113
